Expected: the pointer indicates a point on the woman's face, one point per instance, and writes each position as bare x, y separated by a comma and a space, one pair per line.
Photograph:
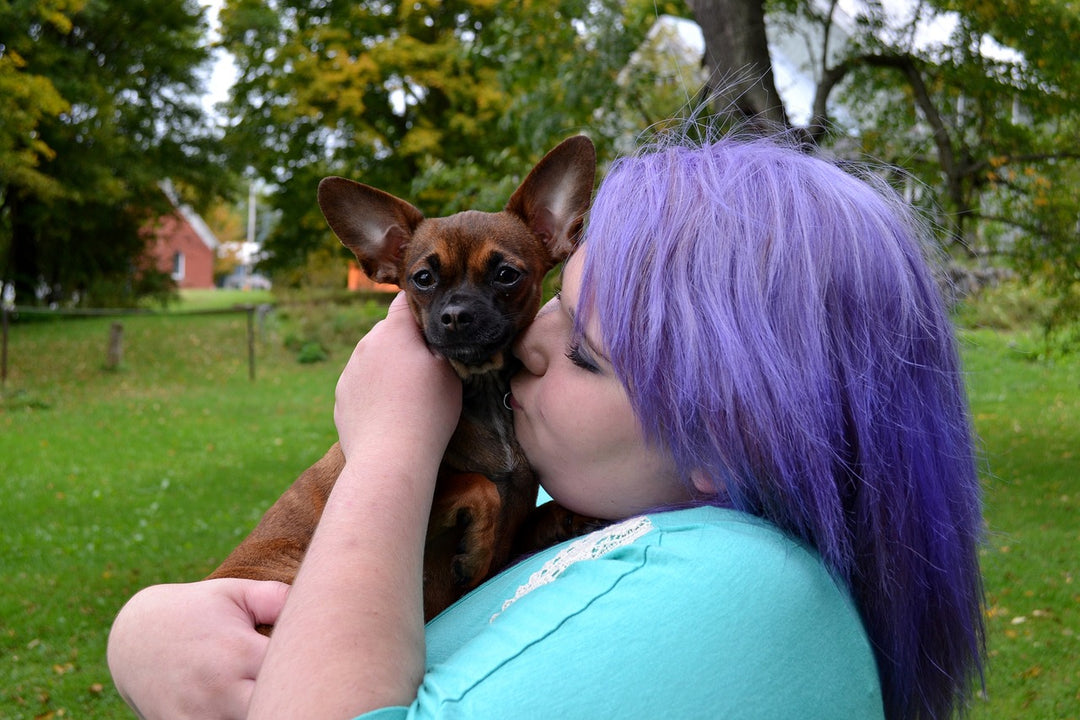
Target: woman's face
574, 420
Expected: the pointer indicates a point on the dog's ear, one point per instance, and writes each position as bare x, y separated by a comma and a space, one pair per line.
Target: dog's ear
554, 197
375, 225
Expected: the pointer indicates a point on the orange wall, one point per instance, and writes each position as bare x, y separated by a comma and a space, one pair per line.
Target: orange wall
359, 281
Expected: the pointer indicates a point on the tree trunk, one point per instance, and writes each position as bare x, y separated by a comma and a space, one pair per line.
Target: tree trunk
737, 57
21, 267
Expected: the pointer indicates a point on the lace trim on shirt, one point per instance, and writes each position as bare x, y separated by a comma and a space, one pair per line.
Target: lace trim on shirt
590, 547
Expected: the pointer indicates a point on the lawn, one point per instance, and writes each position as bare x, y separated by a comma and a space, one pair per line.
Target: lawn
1027, 413
113, 480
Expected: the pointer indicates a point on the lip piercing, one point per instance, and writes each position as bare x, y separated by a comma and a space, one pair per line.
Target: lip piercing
506, 401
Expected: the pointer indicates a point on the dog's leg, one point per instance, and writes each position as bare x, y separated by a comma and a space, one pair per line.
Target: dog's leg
460, 549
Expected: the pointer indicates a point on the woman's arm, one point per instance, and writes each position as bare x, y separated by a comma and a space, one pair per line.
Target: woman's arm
351, 636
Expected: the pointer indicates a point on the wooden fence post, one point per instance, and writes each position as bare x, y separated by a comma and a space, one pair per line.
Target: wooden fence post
115, 352
251, 341
3, 353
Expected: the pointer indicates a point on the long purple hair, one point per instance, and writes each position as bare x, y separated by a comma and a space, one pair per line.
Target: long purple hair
779, 330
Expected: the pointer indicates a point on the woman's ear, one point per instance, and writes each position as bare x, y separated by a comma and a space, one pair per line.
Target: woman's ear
702, 483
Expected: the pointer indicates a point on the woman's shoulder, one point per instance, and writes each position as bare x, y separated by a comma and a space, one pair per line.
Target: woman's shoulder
732, 541
719, 539
718, 525
715, 550
706, 558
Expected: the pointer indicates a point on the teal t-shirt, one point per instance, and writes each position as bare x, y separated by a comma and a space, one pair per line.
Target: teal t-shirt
697, 613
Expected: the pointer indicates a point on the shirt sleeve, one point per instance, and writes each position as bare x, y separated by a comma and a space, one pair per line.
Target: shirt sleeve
688, 622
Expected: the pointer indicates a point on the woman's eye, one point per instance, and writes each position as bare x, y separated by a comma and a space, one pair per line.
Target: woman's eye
577, 355
423, 279
507, 275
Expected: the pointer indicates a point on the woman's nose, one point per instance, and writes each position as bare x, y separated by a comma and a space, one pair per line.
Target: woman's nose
529, 347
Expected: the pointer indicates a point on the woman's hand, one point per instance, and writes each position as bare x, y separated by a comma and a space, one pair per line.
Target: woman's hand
192, 651
396, 391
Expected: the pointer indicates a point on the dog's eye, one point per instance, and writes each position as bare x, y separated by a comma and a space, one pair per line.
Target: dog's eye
424, 279
507, 275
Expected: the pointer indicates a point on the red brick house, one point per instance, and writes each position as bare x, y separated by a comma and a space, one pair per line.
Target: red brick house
183, 245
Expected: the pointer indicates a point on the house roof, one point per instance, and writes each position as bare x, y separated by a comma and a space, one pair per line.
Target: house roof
190, 216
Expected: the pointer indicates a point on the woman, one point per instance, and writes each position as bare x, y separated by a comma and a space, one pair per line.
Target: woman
750, 372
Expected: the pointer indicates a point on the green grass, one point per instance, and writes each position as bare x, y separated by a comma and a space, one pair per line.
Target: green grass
213, 299
152, 473
1027, 412
115, 480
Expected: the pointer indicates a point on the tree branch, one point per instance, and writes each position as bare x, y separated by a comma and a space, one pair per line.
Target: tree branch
909, 66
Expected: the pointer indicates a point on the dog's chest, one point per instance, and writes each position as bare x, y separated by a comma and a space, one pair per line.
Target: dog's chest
484, 441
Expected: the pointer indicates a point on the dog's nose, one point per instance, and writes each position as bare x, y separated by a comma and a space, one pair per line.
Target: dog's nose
456, 317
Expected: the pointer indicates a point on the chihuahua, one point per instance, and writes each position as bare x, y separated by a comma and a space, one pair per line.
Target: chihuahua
473, 281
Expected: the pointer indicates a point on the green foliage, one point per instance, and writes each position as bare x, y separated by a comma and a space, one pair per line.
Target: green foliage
105, 107
313, 329
445, 104
311, 352
1009, 306
983, 116
26, 99
323, 267
1051, 318
1050, 250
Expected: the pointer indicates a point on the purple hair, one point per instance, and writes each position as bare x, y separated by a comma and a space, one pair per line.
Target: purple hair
779, 330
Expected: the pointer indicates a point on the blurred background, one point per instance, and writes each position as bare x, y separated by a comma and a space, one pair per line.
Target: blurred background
175, 309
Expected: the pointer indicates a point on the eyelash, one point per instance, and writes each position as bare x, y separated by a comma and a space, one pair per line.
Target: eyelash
577, 356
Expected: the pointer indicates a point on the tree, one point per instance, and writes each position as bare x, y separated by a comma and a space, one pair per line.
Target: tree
737, 56
444, 103
984, 116
106, 108
26, 98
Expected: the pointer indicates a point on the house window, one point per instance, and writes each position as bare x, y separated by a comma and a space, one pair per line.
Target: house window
178, 266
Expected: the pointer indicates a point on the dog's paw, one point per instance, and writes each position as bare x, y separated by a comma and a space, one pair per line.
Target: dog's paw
462, 532
463, 564
475, 552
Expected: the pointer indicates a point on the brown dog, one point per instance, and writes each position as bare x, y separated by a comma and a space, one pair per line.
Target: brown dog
473, 282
